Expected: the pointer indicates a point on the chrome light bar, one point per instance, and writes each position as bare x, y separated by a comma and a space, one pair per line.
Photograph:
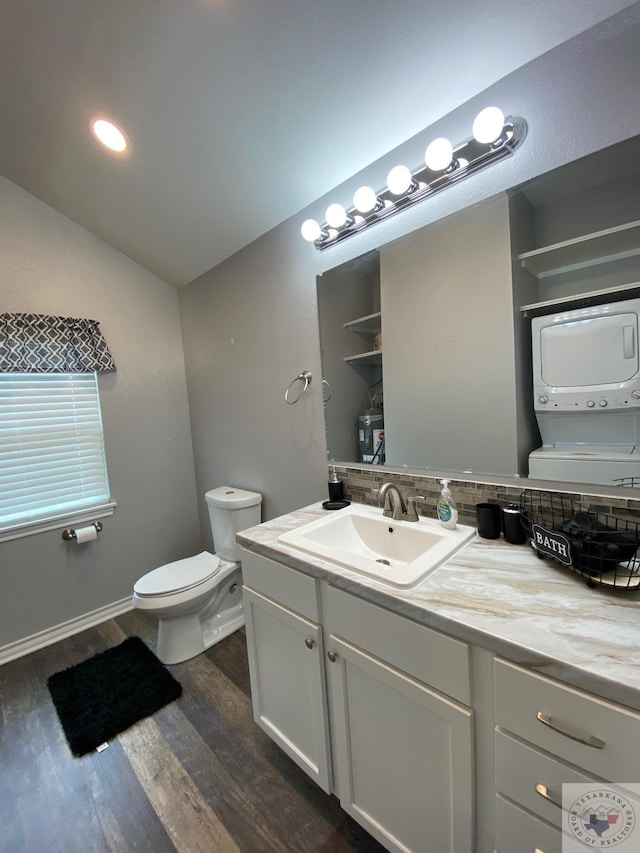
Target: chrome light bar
494, 138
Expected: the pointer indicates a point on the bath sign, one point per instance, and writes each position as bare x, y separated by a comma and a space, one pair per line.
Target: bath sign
553, 543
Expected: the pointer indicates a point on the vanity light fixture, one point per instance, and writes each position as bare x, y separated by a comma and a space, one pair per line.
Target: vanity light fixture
337, 216
494, 137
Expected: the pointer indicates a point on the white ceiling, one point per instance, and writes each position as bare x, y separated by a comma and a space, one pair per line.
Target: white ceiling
240, 112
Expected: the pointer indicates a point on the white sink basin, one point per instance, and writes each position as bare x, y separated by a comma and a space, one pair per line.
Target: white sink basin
359, 538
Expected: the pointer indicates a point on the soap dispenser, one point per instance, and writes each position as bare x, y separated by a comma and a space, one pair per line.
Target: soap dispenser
336, 486
446, 507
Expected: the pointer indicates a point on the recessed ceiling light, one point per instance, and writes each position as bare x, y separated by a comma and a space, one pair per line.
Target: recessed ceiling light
109, 135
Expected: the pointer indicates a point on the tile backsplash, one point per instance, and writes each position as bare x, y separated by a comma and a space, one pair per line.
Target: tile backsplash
361, 486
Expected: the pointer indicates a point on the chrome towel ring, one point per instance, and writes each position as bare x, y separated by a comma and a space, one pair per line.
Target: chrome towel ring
305, 377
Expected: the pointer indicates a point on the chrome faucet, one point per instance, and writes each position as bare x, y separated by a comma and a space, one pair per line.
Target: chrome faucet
390, 497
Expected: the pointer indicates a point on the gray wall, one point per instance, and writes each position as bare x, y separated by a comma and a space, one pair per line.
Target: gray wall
448, 363
576, 99
49, 265
525, 291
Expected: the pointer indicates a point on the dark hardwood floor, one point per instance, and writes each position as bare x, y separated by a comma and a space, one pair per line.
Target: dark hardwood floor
197, 776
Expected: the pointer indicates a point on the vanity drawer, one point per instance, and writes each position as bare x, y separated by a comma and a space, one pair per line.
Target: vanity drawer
520, 768
523, 697
429, 656
519, 832
293, 589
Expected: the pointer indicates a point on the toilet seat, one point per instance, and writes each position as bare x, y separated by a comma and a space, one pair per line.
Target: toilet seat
179, 576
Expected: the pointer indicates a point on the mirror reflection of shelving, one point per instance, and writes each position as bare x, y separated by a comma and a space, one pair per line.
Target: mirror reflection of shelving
350, 328
611, 250
601, 247
370, 328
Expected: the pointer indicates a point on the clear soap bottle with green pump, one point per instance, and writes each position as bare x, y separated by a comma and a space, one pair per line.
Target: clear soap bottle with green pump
446, 508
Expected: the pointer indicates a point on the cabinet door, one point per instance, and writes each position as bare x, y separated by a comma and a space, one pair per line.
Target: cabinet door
402, 754
287, 683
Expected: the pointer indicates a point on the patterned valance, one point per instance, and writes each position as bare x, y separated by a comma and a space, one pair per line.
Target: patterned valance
37, 343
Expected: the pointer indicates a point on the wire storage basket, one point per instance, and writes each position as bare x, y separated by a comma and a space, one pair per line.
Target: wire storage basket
601, 548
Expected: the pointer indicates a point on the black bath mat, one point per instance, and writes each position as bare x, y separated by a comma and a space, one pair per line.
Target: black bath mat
109, 692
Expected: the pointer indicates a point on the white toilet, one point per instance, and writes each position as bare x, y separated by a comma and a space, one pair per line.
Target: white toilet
199, 599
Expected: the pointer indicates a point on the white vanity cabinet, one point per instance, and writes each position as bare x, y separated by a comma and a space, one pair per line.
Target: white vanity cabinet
389, 695
286, 665
402, 750
548, 734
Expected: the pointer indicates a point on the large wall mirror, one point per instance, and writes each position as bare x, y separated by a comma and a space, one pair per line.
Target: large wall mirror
426, 343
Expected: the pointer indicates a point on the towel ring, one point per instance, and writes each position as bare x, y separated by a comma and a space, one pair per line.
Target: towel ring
305, 377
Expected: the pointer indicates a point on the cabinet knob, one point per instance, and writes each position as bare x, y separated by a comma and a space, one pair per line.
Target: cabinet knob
333, 656
309, 643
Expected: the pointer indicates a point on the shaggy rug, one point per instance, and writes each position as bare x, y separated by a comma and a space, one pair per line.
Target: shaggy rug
97, 699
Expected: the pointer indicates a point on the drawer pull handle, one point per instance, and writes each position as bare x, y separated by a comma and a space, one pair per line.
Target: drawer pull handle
587, 740
333, 656
309, 643
546, 795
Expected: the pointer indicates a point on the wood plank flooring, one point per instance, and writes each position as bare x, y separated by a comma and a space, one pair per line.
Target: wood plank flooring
198, 777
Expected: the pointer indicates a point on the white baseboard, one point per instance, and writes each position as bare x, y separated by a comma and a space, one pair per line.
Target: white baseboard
66, 629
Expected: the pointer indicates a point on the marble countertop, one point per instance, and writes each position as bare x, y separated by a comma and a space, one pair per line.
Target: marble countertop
504, 598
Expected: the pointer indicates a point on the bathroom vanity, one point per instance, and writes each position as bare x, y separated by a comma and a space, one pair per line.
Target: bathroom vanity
445, 716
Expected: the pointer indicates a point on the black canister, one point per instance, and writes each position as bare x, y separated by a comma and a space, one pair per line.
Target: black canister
336, 486
512, 525
488, 520
336, 491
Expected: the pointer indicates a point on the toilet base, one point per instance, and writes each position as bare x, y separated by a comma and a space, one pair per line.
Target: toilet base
219, 626
184, 636
179, 639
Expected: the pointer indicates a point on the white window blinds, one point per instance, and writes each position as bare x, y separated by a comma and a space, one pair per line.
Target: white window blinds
52, 460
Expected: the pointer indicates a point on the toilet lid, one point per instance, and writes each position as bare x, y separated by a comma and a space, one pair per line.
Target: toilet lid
179, 575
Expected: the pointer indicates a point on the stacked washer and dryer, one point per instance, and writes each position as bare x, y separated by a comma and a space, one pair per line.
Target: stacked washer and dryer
586, 389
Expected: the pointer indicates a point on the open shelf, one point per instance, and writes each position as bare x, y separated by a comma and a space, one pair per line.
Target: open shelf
372, 357
592, 297
370, 324
601, 247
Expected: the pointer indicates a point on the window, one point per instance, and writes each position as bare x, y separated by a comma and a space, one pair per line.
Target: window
52, 459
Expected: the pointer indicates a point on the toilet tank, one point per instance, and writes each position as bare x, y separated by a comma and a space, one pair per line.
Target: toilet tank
231, 510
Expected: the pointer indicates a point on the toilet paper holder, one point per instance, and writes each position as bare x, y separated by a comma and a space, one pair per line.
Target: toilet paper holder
69, 533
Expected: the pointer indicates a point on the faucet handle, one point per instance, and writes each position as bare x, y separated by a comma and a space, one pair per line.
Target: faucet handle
412, 512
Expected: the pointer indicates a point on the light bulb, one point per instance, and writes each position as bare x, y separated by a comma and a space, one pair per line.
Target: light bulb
439, 154
399, 180
310, 230
109, 135
336, 215
365, 199
488, 125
